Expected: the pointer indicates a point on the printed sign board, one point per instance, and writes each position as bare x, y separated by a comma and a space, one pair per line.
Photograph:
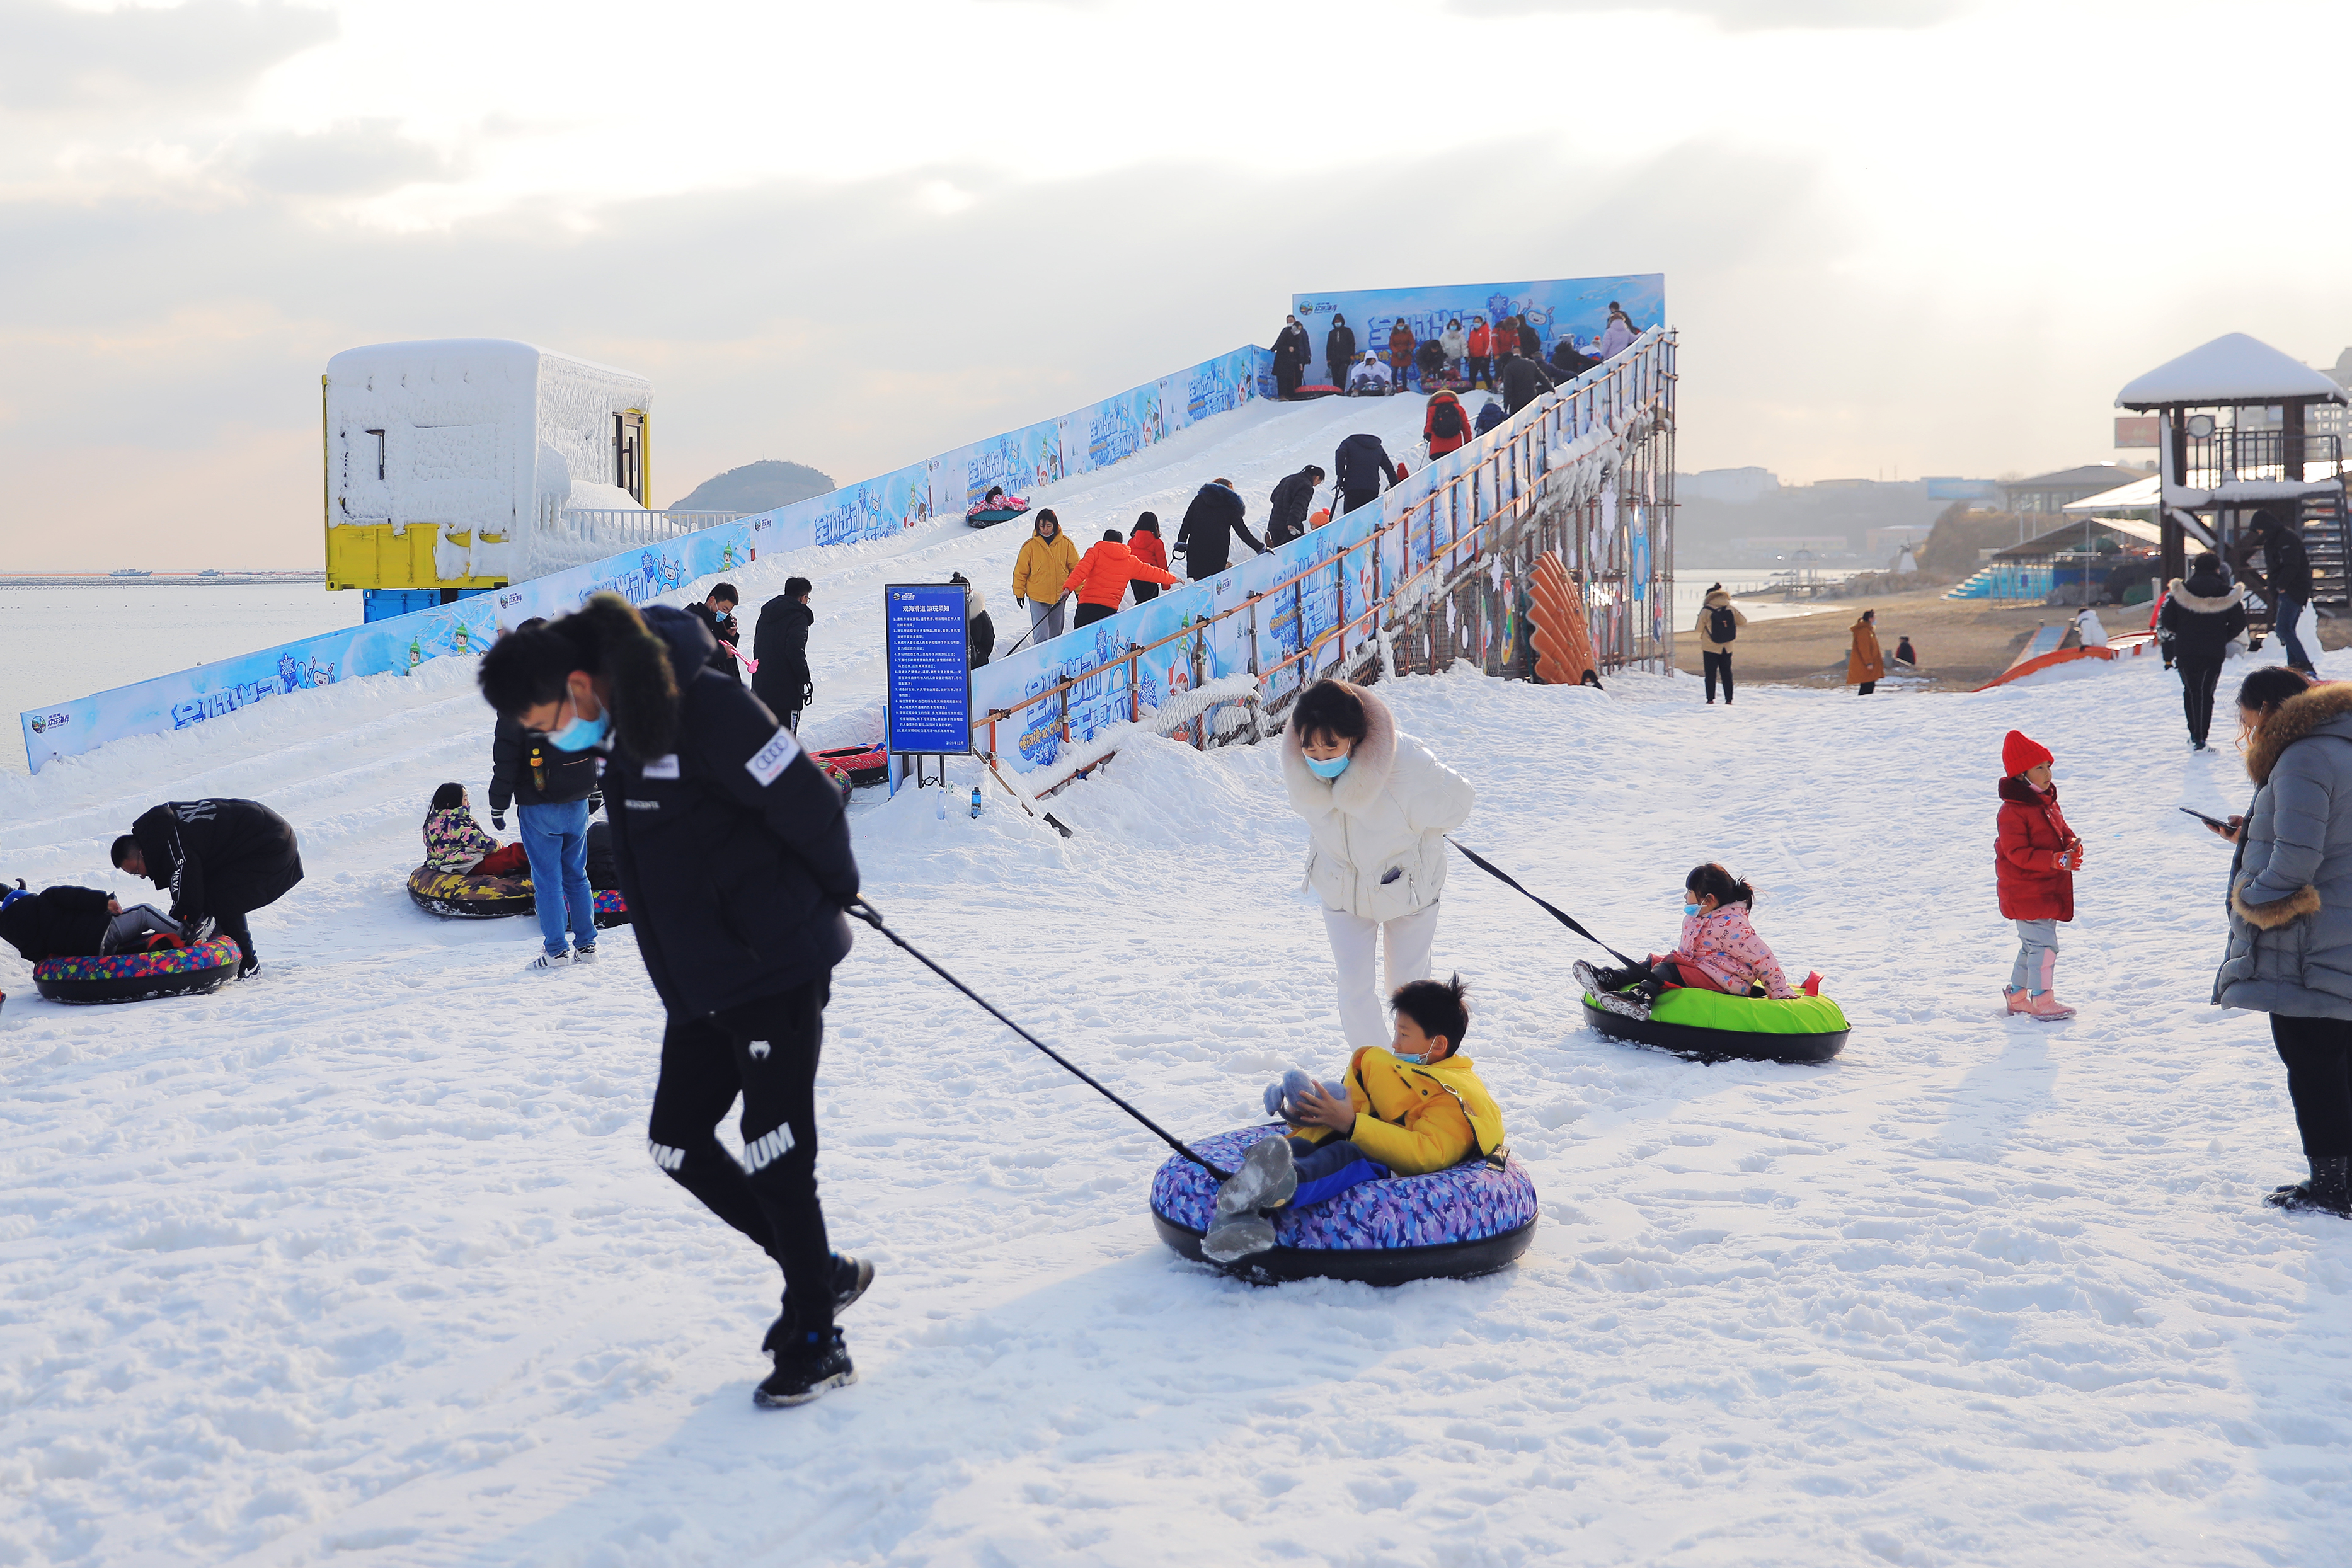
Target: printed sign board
929, 651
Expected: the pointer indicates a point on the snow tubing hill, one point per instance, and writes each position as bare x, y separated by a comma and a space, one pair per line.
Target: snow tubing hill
136, 976
455, 896
1708, 1026
1453, 1224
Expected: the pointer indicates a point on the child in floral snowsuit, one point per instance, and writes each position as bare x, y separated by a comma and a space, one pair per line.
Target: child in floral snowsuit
457, 844
1719, 951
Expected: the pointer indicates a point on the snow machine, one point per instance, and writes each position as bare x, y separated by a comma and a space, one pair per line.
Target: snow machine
980, 515
1708, 1026
136, 976
454, 895
1455, 1224
868, 764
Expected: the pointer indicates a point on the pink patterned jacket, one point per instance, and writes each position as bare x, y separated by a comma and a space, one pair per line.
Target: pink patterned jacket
453, 842
1725, 947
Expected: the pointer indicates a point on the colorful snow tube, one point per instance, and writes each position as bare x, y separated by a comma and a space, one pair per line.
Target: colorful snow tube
1455, 1224
867, 764
1707, 1026
136, 976
612, 909
455, 896
981, 515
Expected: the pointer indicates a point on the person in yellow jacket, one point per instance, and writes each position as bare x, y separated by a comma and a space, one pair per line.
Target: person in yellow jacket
1411, 1109
1866, 666
1047, 558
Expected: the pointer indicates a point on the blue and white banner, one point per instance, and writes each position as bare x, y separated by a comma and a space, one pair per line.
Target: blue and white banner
922, 494
1581, 310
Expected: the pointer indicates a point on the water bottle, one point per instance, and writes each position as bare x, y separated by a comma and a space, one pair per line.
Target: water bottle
975, 800
941, 805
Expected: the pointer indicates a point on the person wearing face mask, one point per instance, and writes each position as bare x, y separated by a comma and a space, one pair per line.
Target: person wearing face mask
1378, 807
733, 853
550, 790
718, 614
1292, 351
1719, 951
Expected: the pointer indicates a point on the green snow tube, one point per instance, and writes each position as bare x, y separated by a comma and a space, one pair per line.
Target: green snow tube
1707, 1026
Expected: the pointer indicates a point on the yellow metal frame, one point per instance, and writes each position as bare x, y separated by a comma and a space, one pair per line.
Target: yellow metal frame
371, 555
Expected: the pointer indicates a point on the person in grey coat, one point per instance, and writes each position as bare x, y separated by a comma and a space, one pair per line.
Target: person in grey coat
2290, 951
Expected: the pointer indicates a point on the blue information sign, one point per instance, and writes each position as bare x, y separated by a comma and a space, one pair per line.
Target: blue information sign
930, 654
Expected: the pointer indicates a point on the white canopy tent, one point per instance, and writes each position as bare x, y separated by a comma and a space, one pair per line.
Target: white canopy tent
2233, 369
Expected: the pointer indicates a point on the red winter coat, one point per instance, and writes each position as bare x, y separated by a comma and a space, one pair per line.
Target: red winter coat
1146, 546
1400, 347
1440, 444
2025, 855
1479, 341
1102, 577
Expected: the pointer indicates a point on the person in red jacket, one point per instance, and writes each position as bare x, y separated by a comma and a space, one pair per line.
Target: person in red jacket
1480, 346
1102, 575
1445, 426
1144, 544
1400, 347
2035, 857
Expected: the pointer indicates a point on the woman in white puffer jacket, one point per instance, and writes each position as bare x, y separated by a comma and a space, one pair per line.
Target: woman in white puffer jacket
1378, 808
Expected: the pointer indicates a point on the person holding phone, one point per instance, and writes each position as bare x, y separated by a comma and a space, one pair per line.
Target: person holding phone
2289, 952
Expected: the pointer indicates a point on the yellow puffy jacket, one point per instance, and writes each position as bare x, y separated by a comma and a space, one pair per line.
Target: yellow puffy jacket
1416, 1119
1043, 567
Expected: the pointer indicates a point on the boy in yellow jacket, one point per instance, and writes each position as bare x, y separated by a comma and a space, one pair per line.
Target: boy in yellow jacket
1411, 1109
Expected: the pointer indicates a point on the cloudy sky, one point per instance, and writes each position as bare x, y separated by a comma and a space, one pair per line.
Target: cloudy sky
1900, 236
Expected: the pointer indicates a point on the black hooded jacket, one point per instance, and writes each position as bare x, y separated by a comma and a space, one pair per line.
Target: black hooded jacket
1206, 540
1360, 467
733, 851
527, 771
1338, 346
1522, 378
727, 632
780, 647
221, 858
1292, 345
56, 923
2290, 565
1288, 506
2201, 616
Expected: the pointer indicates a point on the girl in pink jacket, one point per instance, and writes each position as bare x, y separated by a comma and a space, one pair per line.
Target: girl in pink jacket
1719, 951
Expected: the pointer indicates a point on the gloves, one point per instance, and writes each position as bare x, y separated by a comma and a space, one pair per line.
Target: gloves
808, 693
497, 818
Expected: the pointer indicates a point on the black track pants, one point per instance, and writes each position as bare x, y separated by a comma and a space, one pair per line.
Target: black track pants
2199, 677
766, 1050
1717, 663
2318, 1057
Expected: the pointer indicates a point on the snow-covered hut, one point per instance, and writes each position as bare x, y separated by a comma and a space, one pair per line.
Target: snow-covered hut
451, 464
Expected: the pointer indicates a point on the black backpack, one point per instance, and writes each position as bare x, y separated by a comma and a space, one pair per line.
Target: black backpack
1722, 625
1448, 419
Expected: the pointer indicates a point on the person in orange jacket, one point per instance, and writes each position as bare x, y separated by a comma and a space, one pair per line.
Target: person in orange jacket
1444, 426
1481, 345
1143, 542
1103, 574
1401, 346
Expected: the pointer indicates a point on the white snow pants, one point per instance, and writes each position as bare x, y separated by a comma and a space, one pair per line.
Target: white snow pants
1363, 1011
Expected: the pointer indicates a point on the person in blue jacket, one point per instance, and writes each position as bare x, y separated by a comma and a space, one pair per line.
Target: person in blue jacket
733, 853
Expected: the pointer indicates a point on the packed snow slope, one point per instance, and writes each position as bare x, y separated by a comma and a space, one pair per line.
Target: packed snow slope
365, 1259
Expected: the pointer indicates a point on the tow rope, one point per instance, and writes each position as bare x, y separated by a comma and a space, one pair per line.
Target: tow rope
873, 916
1491, 869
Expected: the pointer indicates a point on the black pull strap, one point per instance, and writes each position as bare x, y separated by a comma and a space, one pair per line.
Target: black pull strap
1491, 869
873, 916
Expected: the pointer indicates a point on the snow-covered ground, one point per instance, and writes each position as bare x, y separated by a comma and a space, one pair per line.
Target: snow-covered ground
365, 1262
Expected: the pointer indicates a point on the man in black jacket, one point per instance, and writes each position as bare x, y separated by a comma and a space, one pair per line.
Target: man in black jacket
1291, 352
1292, 498
1522, 378
2288, 566
221, 860
1206, 540
780, 647
717, 613
1339, 350
1567, 362
1361, 468
552, 792
733, 853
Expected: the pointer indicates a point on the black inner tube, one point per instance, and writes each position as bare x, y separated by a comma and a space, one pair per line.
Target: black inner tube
1365, 1265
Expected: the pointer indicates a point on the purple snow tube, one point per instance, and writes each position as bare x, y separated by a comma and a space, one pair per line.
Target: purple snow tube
1455, 1224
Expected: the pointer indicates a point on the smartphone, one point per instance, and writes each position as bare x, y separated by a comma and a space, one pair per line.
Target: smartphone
2208, 822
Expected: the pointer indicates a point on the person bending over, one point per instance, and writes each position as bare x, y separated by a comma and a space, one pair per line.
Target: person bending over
222, 859
733, 853
1415, 1107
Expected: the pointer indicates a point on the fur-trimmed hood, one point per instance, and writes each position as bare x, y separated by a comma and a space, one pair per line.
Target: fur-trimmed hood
2017, 792
1369, 765
1377, 833
1718, 599
2326, 708
2205, 604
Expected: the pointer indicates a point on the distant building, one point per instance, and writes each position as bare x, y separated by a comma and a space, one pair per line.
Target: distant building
1736, 485
1879, 541
2052, 492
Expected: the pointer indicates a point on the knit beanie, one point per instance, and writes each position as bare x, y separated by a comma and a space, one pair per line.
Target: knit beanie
2018, 753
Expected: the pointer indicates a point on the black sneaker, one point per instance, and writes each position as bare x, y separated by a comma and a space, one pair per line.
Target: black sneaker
850, 1278
804, 1371
2330, 1190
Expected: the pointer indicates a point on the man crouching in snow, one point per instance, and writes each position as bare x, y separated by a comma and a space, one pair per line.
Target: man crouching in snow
1412, 1109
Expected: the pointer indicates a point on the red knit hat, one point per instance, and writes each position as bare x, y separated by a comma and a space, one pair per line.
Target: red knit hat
2019, 753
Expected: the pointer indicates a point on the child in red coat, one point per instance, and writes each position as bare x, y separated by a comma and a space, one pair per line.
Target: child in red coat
2035, 856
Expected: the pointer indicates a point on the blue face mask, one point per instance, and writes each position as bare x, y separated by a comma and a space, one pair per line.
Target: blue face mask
1690, 909
580, 734
1331, 770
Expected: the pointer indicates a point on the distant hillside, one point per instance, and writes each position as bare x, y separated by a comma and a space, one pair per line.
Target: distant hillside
756, 487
